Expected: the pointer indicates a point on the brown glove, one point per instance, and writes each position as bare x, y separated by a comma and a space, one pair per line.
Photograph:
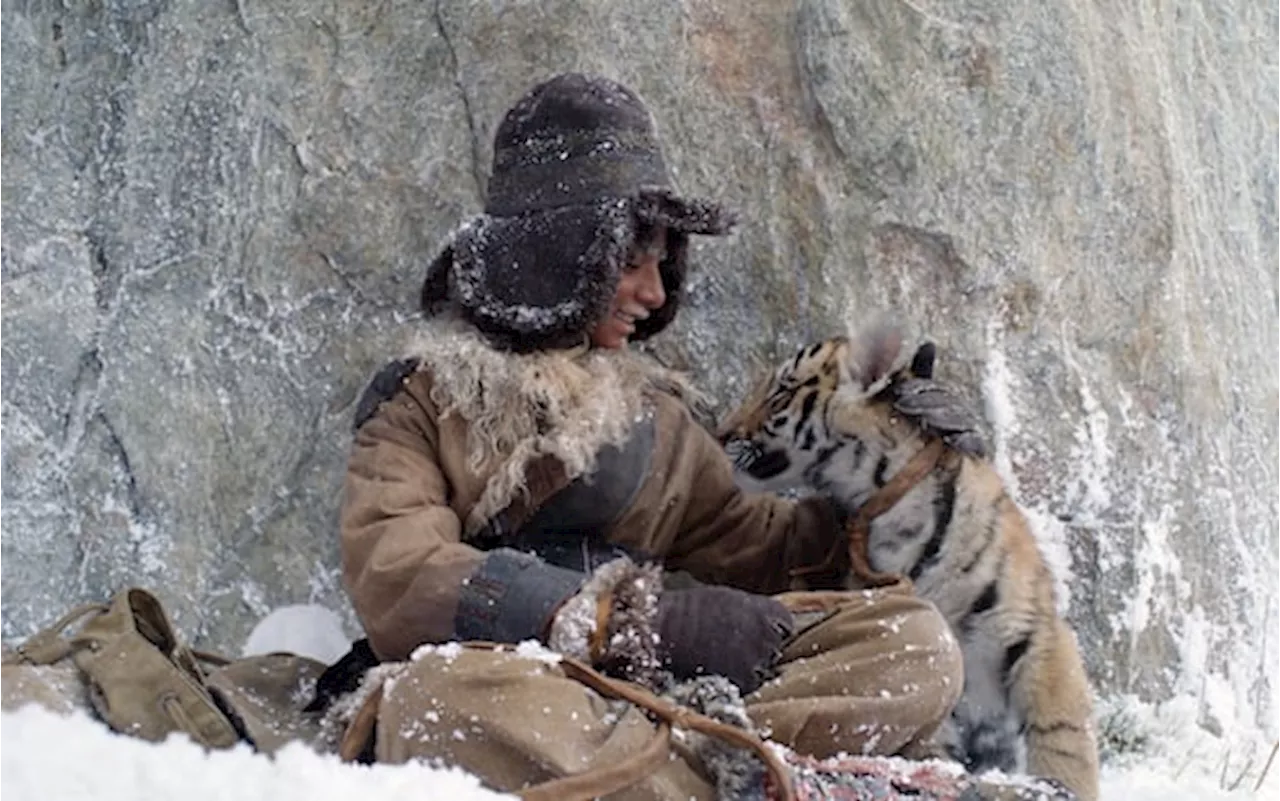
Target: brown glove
721, 631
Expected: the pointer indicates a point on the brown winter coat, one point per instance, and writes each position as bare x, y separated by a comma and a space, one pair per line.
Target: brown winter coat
410, 490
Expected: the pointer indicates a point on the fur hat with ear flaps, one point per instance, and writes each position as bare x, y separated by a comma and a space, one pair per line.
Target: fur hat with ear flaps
576, 170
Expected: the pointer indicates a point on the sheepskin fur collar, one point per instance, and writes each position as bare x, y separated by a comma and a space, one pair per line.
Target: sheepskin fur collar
565, 403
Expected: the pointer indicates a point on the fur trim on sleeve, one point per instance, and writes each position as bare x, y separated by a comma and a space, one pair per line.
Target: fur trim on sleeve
610, 622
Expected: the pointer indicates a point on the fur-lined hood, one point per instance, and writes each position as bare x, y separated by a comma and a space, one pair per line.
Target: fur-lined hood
565, 403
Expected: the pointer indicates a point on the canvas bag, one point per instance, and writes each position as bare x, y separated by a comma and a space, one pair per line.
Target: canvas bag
138, 677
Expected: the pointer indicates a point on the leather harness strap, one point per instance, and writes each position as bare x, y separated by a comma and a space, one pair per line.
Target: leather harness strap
682, 717
858, 529
606, 779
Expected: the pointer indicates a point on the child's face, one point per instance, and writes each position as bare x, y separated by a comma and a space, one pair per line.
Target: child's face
639, 292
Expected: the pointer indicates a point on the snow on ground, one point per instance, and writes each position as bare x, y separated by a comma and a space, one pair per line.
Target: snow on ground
49, 758
1159, 754
1148, 783
1156, 751
45, 757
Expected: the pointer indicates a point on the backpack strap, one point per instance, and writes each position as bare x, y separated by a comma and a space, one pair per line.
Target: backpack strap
381, 388
49, 645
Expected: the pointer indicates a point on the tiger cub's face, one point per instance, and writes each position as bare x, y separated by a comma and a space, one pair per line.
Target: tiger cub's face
827, 391
773, 437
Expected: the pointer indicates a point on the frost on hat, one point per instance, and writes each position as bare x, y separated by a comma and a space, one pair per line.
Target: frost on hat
576, 168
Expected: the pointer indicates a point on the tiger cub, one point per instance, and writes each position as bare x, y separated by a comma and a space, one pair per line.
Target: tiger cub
843, 418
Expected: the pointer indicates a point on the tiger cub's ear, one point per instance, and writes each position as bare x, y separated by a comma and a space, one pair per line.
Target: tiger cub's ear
872, 355
922, 362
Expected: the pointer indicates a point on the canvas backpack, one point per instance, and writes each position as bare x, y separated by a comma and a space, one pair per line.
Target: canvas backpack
138, 677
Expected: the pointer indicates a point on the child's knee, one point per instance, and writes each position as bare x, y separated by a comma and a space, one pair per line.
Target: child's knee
927, 644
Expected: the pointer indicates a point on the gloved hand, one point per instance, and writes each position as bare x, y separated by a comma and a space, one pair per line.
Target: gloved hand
710, 630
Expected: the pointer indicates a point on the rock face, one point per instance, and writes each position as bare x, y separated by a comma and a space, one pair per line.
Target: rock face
216, 216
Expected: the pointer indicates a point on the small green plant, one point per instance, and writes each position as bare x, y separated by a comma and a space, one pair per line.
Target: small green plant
1121, 733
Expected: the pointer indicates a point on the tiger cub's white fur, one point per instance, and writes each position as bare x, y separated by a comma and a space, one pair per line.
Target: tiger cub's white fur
843, 418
